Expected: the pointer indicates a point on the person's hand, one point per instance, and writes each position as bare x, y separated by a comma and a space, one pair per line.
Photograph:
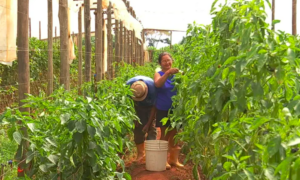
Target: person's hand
173, 71
146, 128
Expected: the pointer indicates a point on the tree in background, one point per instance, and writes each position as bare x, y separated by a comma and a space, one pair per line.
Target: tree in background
155, 37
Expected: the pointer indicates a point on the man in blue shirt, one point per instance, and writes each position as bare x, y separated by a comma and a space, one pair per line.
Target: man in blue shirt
144, 101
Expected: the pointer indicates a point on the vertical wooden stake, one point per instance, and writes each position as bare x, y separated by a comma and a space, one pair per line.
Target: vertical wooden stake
142, 49
132, 55
128, 45
136, 47
121, 41
30, 27
88, 47
55, 34
23, 71
137, 51
103, 46
50, 47
64, 44
117, 44
40, 30
98, 45
124, 45
294, 18
109, 41
126, 34
79, 50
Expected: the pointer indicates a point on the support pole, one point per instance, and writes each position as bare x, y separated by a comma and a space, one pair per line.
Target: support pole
88, 48
64, 44
121, 41
142, 48
23, 74
30, 27
117, 45
129, 35
104, 61
98, 35
109, 41
50, 47
132, 44
79, 50
273, 14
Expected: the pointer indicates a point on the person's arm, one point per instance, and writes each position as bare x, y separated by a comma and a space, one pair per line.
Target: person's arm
159, 80
150, 120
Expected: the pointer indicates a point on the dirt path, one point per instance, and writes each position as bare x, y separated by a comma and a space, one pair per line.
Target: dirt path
138, 171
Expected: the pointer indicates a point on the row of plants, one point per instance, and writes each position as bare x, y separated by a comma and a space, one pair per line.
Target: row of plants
38, 61
238, 102
7, 151
78, 137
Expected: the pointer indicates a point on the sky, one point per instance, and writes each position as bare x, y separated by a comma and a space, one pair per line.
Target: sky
160, 14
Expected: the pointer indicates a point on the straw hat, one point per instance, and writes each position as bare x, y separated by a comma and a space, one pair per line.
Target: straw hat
140, 90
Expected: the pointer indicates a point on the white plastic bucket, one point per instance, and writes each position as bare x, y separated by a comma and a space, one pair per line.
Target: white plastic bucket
156, 155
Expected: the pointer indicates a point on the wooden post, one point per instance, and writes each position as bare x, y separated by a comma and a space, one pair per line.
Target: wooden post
109, 41
132, 45
23, 72
128, 47
273, 14
142, 53
88, 48
50, 47
103, 46
40, 33
121, 41
142, 48
124, 45
117, 44
79, 50
137, 50
129, 35
55, 32
98, 42
64, 44
294, 18
134, 53
30, 27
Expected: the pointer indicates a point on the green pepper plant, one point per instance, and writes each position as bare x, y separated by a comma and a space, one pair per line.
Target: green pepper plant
238, 101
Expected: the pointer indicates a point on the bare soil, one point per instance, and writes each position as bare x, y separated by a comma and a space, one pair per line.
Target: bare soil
138, 171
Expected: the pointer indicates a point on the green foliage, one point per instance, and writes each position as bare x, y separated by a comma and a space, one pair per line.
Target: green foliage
38, 62
238, 100
7, 151
79, 137
128, 71
176, 52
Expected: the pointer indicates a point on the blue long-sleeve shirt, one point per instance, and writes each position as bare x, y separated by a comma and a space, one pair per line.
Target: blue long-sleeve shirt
151, 96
